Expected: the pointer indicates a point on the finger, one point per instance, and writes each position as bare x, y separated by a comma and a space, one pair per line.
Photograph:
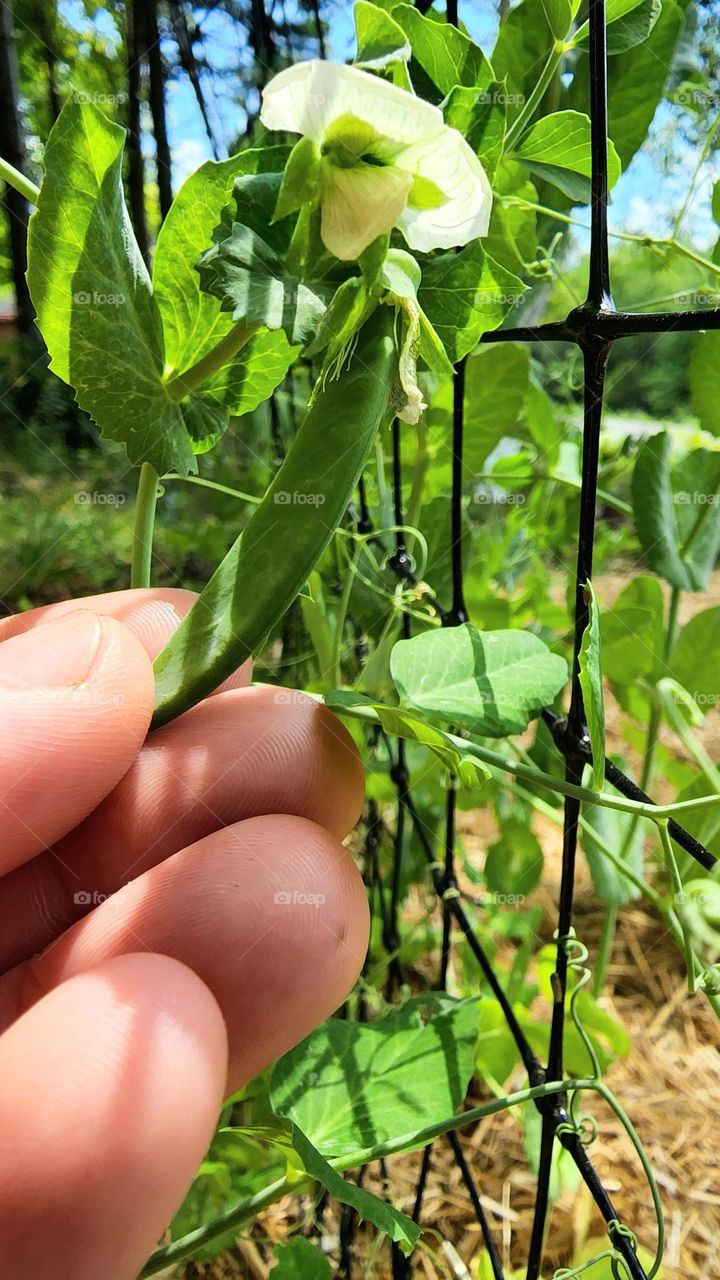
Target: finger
271, 914
234, 756
153, 614
76, 697
93, 1168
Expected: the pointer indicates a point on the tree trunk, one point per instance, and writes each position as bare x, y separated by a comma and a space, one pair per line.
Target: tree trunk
136, 164
12, 149
156, 95
190, 67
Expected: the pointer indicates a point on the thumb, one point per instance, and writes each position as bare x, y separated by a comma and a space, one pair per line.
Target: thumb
76, 698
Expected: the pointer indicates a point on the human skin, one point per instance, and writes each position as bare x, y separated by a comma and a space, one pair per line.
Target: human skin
231, 921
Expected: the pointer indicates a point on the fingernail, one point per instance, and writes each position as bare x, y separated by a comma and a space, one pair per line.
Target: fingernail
54, 655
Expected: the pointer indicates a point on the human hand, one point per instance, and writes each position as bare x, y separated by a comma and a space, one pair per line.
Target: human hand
230, 921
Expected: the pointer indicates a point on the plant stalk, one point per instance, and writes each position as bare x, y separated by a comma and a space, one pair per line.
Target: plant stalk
183, 383
145, 505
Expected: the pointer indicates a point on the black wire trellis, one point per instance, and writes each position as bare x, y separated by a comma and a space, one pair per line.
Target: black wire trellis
593, 327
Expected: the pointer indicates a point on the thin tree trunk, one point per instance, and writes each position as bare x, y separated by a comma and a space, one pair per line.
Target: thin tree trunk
319, 32
12, 149
156, 95
136, 163
190, 67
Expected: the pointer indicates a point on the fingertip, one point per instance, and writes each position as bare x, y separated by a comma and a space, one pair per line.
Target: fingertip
94, 1169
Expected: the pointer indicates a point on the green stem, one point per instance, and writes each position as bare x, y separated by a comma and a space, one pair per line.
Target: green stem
146, 502
664, 242
677, 889
220, 488
536, 777
238, 1217
183, 383
343, 605
517, 128
16, 179
605, 946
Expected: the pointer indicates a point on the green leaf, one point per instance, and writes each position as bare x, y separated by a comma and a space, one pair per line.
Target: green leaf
557, 148
445, 55
480, 117
396, 1225
301, 178
192, 321
399, 723
380, 40
300, 1260
466, 294
636, 82
491, 682
287, 533
245, 269
496, 383
632, 633
614, 829
92, 294
677, 513
702, 373
559, 14
629, 23
592, 687
524, 44
695, 658
512, 234
496, 1052
514, 863
352, 1086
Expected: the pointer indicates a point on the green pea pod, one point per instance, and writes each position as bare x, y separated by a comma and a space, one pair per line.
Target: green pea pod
269, 563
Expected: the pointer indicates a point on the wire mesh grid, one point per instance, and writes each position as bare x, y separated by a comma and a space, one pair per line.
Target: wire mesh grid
593, 327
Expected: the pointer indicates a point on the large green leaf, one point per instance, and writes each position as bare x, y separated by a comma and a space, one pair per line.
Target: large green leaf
629, 23
496, 383
677, 513
590, 676
557, 148
192, 321
400, 723
490, 682
559, 14
480, 117
445, 55
514, 862
695, 658
636, 82
92, 294
245, 268
352, 1086
466, 294
702, 376
512, 234
380, 41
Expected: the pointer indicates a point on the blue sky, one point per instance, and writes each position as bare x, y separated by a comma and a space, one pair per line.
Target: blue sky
644, 201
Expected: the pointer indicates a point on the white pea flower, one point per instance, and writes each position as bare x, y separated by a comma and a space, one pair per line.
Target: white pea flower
387, 159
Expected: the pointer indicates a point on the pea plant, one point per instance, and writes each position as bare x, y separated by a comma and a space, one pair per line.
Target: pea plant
383, 252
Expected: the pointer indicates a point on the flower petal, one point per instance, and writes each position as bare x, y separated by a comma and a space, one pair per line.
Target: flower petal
307, 98
450, 164
359, 204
